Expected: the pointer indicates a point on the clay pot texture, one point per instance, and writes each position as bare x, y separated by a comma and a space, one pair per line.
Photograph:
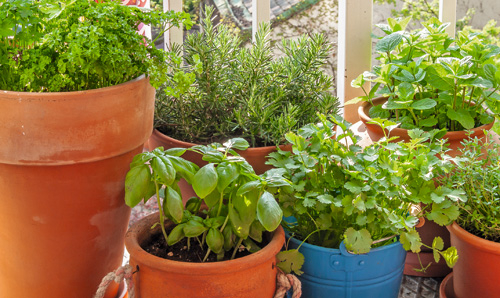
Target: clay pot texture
454, 137
63, 162
478, 268
250, 276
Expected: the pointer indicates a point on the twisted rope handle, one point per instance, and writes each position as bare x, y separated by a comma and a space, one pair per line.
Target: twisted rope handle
123, 272
285, 282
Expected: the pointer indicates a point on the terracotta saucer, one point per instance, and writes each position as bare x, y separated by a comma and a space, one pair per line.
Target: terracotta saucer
446, 288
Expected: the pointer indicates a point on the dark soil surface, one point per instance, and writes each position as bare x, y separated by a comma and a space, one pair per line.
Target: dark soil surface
179, 251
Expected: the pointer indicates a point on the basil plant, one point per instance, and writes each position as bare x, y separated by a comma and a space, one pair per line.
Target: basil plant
240, 204
365, 197
431, 80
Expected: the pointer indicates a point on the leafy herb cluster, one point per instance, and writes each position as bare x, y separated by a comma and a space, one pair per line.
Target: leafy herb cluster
71, 45
241, 205
224, 90
478, 173
363, 196
432, 80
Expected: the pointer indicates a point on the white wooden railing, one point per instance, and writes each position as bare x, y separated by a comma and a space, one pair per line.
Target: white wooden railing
354, 39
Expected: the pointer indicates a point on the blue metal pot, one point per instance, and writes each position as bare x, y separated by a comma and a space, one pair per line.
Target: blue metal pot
337, 273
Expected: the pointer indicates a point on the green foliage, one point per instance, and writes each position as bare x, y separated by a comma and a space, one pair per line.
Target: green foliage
363, 196
423, 10
478, 173
71, 45
241, 205
223, 90
432, 80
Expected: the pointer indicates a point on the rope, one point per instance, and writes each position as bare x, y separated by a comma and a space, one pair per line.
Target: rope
123, 272
285, 282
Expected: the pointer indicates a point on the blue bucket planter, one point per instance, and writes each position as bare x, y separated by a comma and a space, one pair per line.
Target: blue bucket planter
337, 273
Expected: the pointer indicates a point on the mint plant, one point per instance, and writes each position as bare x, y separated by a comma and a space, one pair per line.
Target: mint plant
71, 45
478, 173
225, 90
241, 205
433, 81
363, 196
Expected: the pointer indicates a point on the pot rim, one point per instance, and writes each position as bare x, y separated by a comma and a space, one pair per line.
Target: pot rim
40, 95
158, 134
143, 226
450, 135
473, 240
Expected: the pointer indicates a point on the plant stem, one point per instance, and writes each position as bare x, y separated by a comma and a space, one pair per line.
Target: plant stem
236, 248
162, 219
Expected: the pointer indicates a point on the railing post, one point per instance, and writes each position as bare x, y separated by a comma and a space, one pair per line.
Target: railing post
174, 35
354, 50
448, 14
261, 12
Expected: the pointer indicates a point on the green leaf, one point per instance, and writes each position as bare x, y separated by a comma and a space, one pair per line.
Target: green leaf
428, 122
290, 261
213, 198
411, 241
437, 244
215, 240
389, 42
205, 180
249, 186
237, 143
175, 151
405, 91
226, 174
358, 242
176, 235
450, 255
436, 77
462, 116
138, 185
174, 204
424, 104
194, 228
269, 212
163, 169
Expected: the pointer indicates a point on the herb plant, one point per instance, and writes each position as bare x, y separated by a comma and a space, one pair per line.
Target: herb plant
363, 196
224, 90
432, 80
478, 173
241, 205
71, 45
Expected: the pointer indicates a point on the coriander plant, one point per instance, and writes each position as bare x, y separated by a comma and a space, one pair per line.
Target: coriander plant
432, 80
225, 90
241, 205
71, 45
478, 173
363, 196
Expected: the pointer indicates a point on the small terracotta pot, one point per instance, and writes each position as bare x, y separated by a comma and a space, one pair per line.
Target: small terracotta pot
427, 233
256, 157
63, 162
454, 137
250, 276
477, 271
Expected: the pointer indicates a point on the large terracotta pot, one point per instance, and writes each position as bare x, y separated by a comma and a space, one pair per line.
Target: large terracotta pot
250, 276
477, 271
454, 137
63, 161
256, 157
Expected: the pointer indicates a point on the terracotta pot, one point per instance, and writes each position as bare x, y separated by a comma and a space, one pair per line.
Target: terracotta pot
250, 276
454, 137
255, 156
478, 268
63, 161
428, 232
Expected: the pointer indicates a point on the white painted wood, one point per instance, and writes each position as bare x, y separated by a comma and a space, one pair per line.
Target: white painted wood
174, 35
354, 50
261, 12
448, 14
